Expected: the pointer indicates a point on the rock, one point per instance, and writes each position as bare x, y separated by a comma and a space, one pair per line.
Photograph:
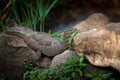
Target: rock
100, 46
38, 41
13, 52
18, 44
94, 21
61, 58
45, 62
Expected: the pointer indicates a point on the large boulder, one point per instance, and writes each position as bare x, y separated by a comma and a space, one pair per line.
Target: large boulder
96, 20
100, 46
93, 22
13, 52
18, 44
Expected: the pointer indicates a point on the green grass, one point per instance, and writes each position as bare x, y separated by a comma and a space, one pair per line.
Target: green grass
43, 11
16, 14
30, 16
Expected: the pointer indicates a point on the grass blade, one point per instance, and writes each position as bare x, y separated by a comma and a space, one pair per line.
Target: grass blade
16, 13
50, 7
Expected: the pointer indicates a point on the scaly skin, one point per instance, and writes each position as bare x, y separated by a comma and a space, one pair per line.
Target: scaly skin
56, 47
40, 41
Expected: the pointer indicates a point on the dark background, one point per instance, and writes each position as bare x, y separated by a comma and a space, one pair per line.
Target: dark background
69, 12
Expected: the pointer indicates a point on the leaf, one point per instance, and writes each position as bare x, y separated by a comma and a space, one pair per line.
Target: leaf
50, 31
52, 71
89, 75
59, 39
72, 37
80, 72
112, 79
81, 59
55, 33
40, 8
97, 78
83, 65
74, 59
26, 75
107, 75
73, 74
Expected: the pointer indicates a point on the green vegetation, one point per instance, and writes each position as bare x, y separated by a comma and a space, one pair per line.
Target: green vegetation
70, 70
26, 14
3, 77
65, 71
71, 39
99, 76
30, 15
55, 35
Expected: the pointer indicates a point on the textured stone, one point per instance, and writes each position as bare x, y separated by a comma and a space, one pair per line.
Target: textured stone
13, 52
18, 44
94, 21
100, 46
61, 58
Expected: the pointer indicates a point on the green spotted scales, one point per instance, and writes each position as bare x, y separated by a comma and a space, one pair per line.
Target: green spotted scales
67, 35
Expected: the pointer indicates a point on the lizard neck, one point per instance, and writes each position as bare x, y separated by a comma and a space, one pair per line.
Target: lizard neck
66, 37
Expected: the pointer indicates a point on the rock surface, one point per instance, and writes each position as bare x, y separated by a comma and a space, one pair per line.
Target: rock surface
38, 41
13, 52
18, 44
94, 21
99, 41
100, 46
61, 58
